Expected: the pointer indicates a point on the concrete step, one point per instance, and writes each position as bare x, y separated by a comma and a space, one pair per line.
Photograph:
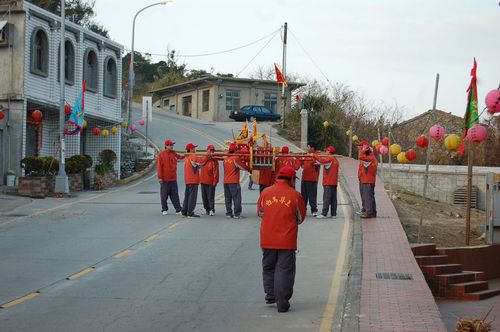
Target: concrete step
431, 271
455, 278
423, 249
481, 295
457, 291
431, 260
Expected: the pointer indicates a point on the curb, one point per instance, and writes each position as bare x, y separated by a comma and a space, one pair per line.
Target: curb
138, 175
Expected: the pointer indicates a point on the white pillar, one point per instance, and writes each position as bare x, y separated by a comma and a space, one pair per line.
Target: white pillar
303, 128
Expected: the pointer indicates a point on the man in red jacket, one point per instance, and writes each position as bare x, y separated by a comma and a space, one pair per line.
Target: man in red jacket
282, 209
309, 183
266, 178
286, 161
232, 189
368, 168
192, 165
330, 181
167, 177
209, 177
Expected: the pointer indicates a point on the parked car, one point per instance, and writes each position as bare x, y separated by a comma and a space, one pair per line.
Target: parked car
254, 111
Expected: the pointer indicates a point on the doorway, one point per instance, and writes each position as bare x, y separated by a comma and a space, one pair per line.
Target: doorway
187, 105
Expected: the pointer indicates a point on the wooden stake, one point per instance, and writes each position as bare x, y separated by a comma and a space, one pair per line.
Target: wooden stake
470, 157
350, 142
381, 159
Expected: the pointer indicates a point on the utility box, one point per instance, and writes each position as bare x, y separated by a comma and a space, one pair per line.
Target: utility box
493, 207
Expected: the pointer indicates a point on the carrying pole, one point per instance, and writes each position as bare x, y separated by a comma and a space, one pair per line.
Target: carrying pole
283, 66
470, 155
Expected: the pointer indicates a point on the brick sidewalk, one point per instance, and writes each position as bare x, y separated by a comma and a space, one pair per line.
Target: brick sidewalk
387, 304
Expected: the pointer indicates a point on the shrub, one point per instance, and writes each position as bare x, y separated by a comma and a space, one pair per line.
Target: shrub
40, 166
77, 164
107, 157
103, 168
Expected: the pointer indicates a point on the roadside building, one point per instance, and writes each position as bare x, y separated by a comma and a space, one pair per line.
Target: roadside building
213, 98
29, 81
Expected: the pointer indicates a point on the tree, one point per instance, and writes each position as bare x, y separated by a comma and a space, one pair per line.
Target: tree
80, 12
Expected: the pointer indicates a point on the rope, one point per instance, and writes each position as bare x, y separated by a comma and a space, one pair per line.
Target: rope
238, 74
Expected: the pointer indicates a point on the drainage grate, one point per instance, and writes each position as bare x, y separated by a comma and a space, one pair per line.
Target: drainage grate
147, 192
393, 276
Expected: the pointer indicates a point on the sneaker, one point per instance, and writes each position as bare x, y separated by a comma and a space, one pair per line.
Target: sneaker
236, 217
212, 213
333, 216
193, 216
315, 214
270, 301
204, 212
364, 215
164, 213
320, 216
229, 216
178, 213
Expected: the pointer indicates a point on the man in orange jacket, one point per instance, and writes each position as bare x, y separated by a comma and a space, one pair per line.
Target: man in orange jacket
209, 177
286, 161
167, 177
266, 178
232, 189
192, 165
282, 209
330, 182
309, 183
368, 169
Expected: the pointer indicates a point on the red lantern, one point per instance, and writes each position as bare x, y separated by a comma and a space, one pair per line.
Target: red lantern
493, 101
36, 115
422, 141
2, 115
67, 109
437, 132
411, 155
96, 131
385, 141
477, 133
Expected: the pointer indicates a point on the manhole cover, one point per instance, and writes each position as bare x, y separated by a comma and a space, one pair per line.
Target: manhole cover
393, 276
147, 192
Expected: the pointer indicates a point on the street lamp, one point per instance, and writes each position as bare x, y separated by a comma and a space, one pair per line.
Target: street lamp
131, 74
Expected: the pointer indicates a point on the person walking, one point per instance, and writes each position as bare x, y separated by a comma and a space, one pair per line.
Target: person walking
209, 177
368, 165
232, 189
192, 165
310, 175
282, 209
285, 160
330, 182
266, 178
166, 169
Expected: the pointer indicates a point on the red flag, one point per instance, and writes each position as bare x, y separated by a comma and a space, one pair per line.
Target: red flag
471, 114
279, 76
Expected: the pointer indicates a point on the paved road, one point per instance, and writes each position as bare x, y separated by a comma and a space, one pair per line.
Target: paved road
144, 271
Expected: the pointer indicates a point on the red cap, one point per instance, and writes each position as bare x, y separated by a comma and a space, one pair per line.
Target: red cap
330, 149
287, 172
233, 147
210, 147
285, 149
190, 146
169, 142
363, 142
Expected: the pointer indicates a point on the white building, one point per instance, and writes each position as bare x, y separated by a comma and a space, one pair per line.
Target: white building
29, 80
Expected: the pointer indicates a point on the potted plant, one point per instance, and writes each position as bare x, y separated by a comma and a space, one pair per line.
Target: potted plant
104, 170
39, 176
75, 168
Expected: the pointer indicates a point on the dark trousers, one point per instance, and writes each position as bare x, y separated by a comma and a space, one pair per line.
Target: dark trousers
368, 199
208, 197
262, 187
363, 207
278, 275
190, 197
309, 191
232, 194
169, 189
329, 200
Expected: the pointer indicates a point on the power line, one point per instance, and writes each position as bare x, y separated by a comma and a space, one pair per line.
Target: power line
245, 67
212, 53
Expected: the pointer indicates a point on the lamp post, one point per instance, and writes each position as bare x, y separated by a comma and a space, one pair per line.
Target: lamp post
131, 74
62, 185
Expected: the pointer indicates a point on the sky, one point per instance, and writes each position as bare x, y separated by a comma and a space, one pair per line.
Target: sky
388, 50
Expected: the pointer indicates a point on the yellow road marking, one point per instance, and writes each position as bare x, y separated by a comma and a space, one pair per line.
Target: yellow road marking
19, 300
152, 238
122, 253
329, 312
80, 274
173, 225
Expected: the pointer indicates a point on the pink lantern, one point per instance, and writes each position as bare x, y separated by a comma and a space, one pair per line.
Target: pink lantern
477, 133
142, 122
383, 149
437, 132
493, 101
133, 127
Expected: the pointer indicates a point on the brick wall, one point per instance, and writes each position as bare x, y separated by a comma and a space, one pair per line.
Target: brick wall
478, 258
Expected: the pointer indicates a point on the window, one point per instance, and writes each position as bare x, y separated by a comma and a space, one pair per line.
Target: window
110, 77
69, 63
90, 69
205, 101
39, 52
232, 100
166, 102
271, 101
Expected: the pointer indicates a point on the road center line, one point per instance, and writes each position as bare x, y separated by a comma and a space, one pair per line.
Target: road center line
122, 253
19, 300
80, 274
151, 238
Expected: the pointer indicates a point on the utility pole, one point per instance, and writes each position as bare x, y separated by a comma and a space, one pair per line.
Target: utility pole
62, 185
283, 66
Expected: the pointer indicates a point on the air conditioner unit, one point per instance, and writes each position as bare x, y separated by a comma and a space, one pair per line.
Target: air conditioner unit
4, 33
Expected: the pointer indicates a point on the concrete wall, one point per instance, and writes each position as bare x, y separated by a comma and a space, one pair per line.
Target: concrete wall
443, 180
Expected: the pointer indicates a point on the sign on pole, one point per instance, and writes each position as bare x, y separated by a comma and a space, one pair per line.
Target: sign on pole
147, 108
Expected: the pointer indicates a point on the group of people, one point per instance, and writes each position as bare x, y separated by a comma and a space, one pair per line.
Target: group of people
281, 207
